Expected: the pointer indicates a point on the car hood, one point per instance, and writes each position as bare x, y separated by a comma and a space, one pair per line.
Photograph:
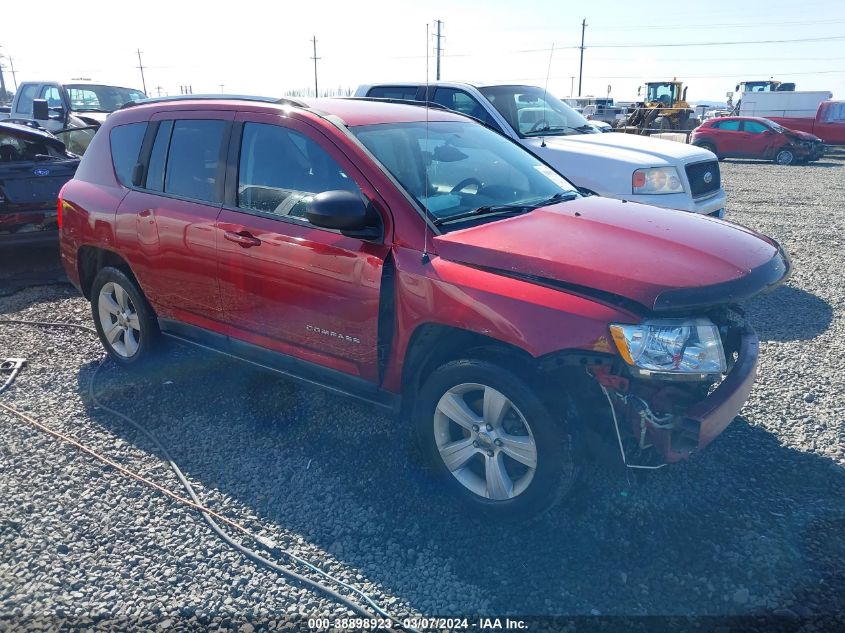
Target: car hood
31, 134
804, 136
624, 253
639, 151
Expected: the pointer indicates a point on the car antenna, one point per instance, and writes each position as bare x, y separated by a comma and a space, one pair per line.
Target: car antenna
545, 91
425, 257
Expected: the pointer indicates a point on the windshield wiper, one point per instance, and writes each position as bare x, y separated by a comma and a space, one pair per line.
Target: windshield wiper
554, 128
509, 208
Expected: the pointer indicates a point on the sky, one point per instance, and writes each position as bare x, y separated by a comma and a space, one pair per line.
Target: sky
252, 47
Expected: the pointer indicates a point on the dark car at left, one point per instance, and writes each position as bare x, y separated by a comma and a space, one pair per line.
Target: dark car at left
34, 164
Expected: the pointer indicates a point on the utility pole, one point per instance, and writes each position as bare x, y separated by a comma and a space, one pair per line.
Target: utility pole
581, 67
158, 90
221, 89
12, 70
571, 84
141, 68
439, 23
315, 58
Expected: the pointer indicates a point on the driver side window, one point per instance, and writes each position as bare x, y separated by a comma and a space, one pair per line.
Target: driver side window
51, 94
460, 101
753, 127
281, 169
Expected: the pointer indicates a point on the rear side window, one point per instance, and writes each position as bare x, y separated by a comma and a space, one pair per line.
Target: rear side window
730, 126
194, 158
125, 146
158, 157
406, 93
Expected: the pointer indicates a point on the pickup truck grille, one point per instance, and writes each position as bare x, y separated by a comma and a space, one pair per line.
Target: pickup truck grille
700, 182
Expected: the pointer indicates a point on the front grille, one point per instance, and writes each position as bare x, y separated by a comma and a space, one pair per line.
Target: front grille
697, 173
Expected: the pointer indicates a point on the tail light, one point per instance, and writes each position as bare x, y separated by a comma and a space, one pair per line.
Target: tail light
60, 203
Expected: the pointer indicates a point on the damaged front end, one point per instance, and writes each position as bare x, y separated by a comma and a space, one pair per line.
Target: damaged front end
661, 418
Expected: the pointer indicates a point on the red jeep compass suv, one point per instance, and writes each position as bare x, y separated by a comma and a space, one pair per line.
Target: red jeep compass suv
423, 263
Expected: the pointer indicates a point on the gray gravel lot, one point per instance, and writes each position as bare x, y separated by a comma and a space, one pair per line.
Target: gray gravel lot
756, 524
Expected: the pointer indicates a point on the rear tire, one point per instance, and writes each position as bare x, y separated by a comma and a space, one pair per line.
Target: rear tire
125, 322
493, 442
708, 146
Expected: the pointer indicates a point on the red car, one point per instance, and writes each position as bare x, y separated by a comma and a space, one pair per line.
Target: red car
424, 264
754, 137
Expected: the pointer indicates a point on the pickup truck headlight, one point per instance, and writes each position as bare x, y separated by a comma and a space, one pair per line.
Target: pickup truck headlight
657, 180
671, 346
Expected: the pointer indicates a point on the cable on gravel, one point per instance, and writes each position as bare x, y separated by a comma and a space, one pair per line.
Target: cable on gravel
210, 516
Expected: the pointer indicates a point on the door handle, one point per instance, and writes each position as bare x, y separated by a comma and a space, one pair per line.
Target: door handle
244, 239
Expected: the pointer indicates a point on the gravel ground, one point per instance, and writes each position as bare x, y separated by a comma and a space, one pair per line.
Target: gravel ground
755, 525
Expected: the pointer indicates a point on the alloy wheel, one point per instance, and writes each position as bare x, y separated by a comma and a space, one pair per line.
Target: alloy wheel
484, 441
784, 157
119, 319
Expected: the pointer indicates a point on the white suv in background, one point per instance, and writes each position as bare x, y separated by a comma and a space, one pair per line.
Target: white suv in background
625, 166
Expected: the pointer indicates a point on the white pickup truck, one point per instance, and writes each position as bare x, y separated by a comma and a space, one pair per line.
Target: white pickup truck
625, 166
71, 104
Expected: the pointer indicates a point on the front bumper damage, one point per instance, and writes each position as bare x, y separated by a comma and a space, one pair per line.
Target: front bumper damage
663, 421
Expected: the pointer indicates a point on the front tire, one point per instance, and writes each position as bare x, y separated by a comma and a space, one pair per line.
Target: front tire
125, 322
785, 156
492, 440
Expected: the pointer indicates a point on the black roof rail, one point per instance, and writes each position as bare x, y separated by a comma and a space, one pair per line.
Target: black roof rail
430, 104
413, 102
210, 97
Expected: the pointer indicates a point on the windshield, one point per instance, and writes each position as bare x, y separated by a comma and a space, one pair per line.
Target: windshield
20, 147
665, 93
531, 111
454, 168
94, 98
773, 125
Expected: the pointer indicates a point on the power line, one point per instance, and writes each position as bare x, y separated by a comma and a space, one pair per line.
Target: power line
725, 25
740, 75
685, 44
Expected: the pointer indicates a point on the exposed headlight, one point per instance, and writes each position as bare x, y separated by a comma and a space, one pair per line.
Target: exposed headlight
657, 180
671, 346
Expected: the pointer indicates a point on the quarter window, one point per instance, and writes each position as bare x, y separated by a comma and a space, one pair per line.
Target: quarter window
125, 146
194, 159
280, 170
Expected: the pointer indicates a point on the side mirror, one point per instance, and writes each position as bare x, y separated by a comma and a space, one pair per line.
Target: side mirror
341, 210
40, 111
59, 114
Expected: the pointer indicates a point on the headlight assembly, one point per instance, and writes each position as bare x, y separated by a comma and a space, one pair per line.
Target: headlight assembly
656, 180
671, 346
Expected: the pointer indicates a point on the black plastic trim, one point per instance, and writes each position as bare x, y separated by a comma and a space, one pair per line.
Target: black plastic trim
603, 296
296, 369
765, 277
